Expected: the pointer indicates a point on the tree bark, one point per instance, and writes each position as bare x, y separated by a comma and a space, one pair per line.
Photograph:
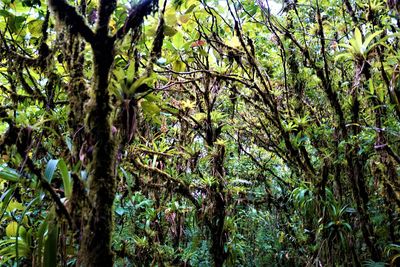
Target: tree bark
97, 213
95, 247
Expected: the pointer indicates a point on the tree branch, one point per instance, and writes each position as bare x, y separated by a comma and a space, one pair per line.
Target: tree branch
105, 10
135, 17
181, 188
157, 42
70, 17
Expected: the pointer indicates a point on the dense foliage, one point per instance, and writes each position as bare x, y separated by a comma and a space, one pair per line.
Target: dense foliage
199, 133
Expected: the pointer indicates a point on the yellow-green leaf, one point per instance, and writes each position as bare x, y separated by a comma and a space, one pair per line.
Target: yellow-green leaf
11, 229
178, 66
234, 42
169, 31
150, 108
184, 18
35, 27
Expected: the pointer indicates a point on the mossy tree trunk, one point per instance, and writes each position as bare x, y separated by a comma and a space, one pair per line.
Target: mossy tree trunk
96, 240
95, 243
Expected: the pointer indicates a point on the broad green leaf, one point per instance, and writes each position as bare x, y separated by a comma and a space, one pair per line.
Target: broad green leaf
11, 229
50, 248
49, 173
16, 24
357, 40
141, 81
50, 169
150, 108
120, 74
169, 31
9, 174
35, 27
369, 38
15, 205
178, 41
178, 66
170, 16
130, 73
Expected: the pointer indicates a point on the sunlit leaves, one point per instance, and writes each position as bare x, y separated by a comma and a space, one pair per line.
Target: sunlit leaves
35, 27
233, 42
359, 46
8, 249
216, 118
151, 110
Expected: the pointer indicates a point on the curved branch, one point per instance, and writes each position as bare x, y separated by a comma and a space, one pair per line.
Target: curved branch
181, 187
70, 17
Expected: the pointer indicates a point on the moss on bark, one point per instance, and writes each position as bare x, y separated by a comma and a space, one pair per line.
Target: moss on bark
96, 240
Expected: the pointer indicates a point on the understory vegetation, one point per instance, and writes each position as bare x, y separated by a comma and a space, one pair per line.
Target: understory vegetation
199, 133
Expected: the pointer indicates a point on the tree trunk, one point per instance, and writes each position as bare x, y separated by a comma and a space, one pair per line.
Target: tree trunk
218, 238
218, 234
95, 247
97, 212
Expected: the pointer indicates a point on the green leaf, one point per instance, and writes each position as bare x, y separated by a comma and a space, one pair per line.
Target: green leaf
15, 24
5, 13
190, 9
142, 80
50, 169
150, 108
8, 249
66, 178
15, 205
35, 27
41, 235
67, 181
50, 248
11, 229
169, 31
5, 200
178, 66
9, 174
130, 73
178, 41
357, 40
369, 38
170, 16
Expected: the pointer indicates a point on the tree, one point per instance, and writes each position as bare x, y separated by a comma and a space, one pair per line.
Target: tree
208, 133
95, 246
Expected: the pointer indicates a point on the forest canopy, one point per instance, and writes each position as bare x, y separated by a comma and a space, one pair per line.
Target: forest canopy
199, 133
